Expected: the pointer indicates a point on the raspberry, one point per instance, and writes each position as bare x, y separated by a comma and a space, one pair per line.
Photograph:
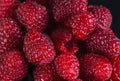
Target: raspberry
103, 16
103, 41
13, 66
63, 40
11, 34
65, 8
95, 68
46, 73
32, 15
82, 24
116, 69
39, 48
67, 66
7, 8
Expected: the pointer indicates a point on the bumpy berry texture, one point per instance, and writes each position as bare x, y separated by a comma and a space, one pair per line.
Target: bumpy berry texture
10, 34
95, 68
7, 8
13, 66
82, 24
39, 48
116, 69
65, 8
67, 66
103, 16
104, 42
32, 15
64, 41
46, 73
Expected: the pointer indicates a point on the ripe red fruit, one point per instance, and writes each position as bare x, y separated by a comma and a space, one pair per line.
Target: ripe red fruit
103, 41
116, 69
95, 68
46, 73
64, 8
13, 66
32, 15
67, 66
39, 48
103, 16
63, 40
7, 8
10, 34
82, 24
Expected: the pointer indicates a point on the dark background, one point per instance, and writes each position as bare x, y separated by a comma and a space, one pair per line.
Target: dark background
114, 6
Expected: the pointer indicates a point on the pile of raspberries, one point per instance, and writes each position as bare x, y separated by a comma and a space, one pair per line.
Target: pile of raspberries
62, 40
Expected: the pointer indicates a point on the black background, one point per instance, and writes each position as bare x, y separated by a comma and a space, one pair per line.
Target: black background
114, 6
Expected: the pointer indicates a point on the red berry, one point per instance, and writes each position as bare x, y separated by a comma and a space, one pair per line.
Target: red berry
46, 73
103, 16
13, 66
10, 34
95, 68
82, 24
103, 41
63, 40
116, 69
39, 48
65, 8
7, 8
32, 15
67, 66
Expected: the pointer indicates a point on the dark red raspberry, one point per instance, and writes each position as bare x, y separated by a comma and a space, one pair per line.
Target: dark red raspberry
116, 69
11, 34
39, 48
76, 80
67, 66
95, 68
13, 66
64, 8
7, 8
32, 15
103, 41
82, 24
103, 16
63, 40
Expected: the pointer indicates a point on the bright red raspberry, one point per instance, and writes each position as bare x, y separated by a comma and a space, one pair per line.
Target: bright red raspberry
39, 48
11, 34
67, 66
95, 68
103, 16
13, 66
82, 24
46, 73
64, 8
63, 40
32, 15
103, 41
